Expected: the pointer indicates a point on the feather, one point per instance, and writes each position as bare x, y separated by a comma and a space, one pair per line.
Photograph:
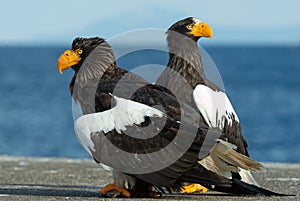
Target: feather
223, 159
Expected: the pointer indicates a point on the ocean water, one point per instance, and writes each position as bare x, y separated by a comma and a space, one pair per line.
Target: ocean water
262, 82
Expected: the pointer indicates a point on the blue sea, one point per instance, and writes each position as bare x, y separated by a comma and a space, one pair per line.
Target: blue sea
262, 82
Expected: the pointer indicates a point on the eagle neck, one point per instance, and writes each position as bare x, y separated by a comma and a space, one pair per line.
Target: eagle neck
185, 58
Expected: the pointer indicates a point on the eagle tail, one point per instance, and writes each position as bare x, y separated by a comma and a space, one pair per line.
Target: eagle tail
223, 160
226, 152
238, 160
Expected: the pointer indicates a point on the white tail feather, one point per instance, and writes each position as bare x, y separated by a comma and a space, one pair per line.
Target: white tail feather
223, 160
247, 177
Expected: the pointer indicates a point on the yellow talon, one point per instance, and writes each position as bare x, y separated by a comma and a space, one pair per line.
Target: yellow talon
114, 187
193, 188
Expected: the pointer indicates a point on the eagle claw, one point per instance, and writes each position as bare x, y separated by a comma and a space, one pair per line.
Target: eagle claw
112, 191
193, 188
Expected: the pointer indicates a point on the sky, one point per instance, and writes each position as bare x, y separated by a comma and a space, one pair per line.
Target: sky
34, 22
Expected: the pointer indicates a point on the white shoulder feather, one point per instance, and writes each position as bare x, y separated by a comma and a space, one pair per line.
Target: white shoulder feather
214, 106
125, 113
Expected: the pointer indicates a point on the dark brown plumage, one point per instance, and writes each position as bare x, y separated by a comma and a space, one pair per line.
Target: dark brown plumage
96, 83
105, 80
185, 58
185, 63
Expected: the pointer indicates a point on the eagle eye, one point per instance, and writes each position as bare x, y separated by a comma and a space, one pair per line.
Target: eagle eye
190, 26
79, 51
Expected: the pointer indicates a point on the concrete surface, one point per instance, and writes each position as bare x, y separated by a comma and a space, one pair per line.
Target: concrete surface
72, 179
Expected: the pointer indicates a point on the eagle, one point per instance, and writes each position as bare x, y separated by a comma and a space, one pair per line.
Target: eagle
140, 131
229, 157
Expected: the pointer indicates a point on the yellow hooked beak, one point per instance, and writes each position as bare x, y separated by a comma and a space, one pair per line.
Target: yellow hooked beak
67, 59
202, 30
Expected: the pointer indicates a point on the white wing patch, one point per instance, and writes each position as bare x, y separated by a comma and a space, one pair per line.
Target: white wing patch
214, 106
125, 113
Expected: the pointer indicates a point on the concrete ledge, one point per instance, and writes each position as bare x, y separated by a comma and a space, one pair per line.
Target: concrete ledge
80, 179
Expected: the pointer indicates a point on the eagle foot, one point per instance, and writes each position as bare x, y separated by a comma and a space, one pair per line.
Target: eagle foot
193, 188
113, 191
